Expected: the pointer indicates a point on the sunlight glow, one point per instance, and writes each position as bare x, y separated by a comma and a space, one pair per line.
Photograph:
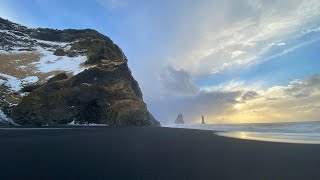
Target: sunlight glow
238, 106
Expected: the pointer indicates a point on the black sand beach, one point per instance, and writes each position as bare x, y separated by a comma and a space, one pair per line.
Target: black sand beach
149, 153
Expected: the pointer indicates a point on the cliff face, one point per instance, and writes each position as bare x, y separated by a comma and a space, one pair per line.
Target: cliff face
96, 95
98, 89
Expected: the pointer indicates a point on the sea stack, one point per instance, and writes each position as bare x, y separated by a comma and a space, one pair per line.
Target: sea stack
202, 120
179, 119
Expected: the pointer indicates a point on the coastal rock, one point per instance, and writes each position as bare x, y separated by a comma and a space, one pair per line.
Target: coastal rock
91, 80
59, 52
4, 121
179, 119
96, 95
202, 120
29, 88
58, 77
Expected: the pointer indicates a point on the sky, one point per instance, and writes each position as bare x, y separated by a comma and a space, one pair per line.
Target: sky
233, 61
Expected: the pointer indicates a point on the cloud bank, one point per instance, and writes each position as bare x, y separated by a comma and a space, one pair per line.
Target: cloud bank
298, 101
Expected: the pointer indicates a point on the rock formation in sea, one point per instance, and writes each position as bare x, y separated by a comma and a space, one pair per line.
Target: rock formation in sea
202, 120
179, 119
64, 76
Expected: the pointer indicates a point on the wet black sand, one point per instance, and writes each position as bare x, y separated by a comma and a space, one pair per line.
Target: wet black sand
149, 153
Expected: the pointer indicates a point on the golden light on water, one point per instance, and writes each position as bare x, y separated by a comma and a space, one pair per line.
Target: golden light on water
273, 137
243, 135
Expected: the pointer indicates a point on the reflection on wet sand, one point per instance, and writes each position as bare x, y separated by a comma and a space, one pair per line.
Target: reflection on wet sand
301, 138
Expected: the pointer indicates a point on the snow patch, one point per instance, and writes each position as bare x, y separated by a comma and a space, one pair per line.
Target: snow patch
52, 43
12, 82
2, 82
49, 62
86, 84
8, 32
5, 119
49, 77
30, 80
23, 67
73, 123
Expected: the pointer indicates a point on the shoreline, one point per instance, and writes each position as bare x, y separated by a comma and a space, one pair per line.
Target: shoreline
149, 153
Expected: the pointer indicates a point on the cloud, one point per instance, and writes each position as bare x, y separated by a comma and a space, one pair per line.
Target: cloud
207, 38
178, 81
192, 107
240, 33
298, 101
236, 54
281, 44
305, 88
248, 95
295, 89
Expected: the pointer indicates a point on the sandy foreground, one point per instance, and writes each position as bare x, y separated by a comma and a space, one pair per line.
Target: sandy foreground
149, 153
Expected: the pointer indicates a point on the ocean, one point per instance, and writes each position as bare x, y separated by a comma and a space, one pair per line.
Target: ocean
289, 132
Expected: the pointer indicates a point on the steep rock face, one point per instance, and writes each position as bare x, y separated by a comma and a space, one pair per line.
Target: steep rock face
100, 89
97, 95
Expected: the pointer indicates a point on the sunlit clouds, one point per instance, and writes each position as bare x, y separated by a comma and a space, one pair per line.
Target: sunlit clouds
298, 101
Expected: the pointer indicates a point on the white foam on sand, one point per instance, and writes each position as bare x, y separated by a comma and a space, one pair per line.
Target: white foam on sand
73, 123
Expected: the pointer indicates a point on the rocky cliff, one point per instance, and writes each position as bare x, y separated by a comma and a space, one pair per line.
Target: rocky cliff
64, 76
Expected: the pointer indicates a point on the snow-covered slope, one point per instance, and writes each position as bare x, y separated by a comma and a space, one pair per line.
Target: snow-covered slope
25, 59
18, 70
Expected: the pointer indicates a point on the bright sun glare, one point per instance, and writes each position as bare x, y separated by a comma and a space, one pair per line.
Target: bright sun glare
238, 106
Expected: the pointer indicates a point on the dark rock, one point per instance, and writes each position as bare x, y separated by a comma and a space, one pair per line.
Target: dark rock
96, 95
3, 120
202, 120
4, 123
26, 49
58, 77
31, 87
179, 119
71, 53
59, 52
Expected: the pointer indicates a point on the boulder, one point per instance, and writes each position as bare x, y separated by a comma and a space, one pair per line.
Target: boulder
58, 77
29, 88
59, 52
